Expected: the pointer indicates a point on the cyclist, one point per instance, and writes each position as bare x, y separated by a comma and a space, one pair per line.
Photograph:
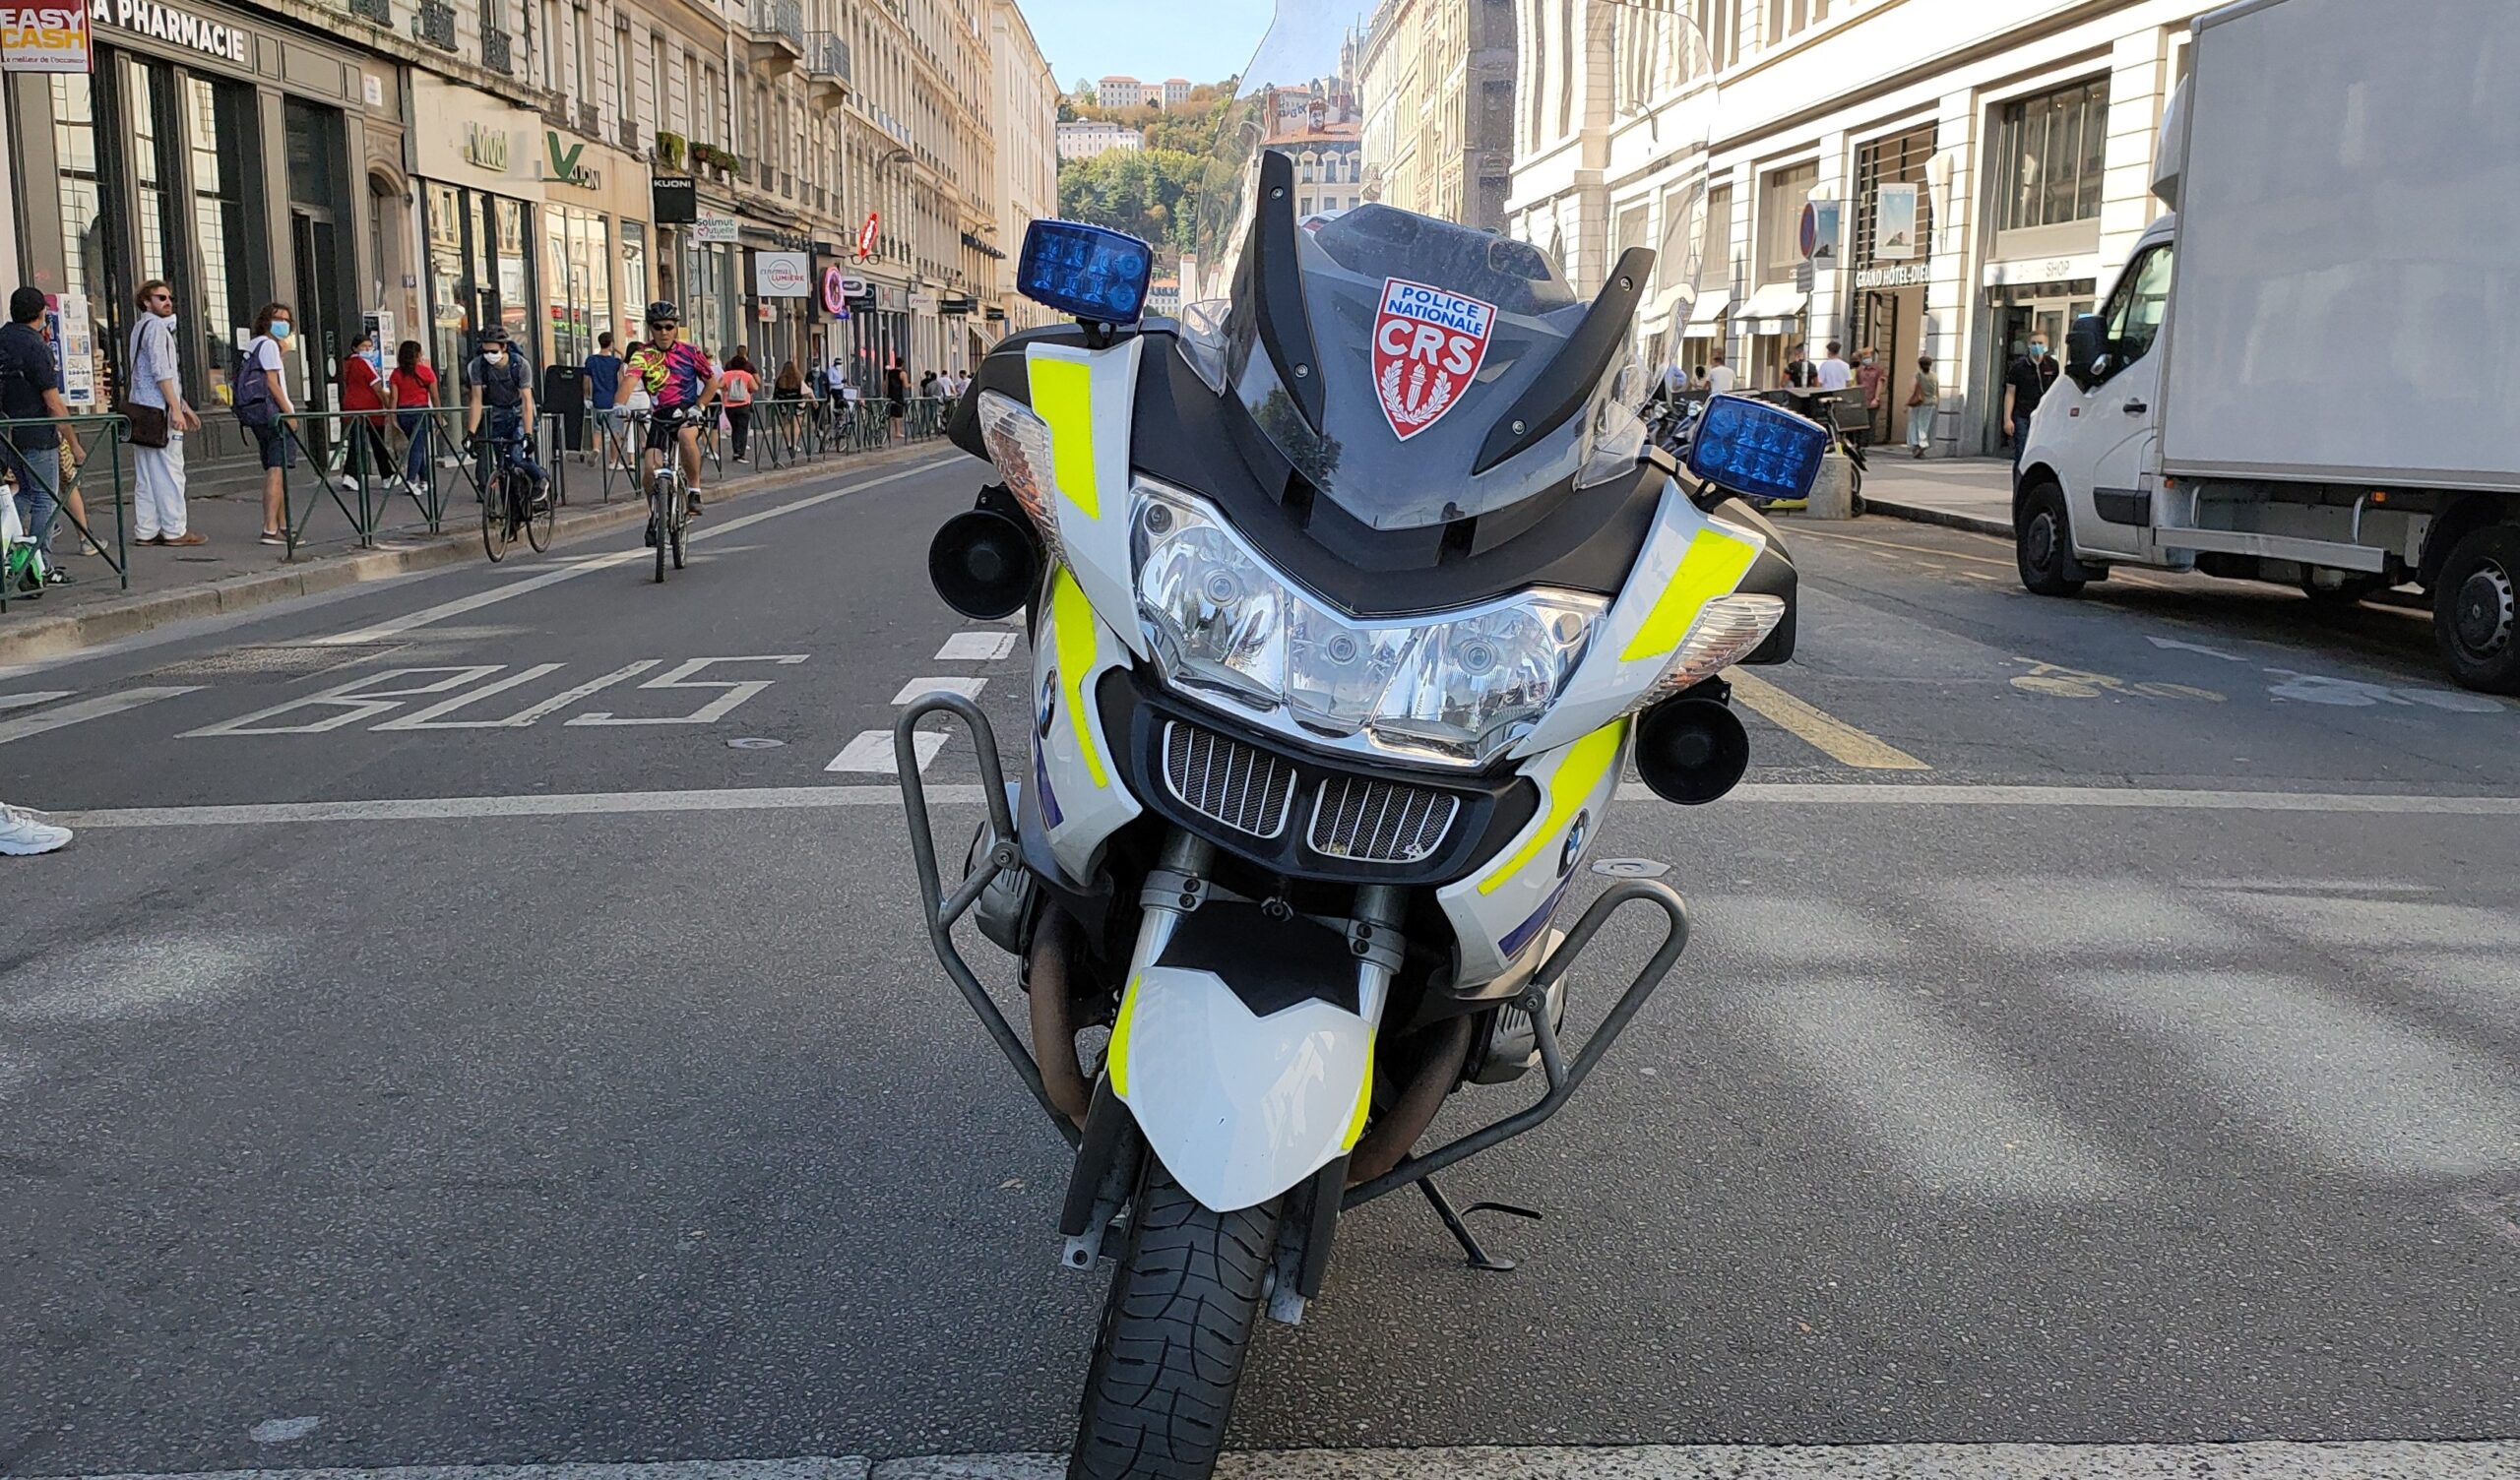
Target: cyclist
499, 377
681, 383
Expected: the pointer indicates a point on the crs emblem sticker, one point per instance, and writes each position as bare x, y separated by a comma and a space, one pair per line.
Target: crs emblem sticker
1427, 345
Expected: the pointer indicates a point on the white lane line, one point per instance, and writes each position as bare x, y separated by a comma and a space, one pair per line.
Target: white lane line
467, 808
773, 798
86, 708
976, 647
428, 615
872, 753
30, 700
1892, 795
968, 687
2353, 1459
2358, 1088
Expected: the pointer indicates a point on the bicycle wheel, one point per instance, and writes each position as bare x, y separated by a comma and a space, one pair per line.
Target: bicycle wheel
542, 515
659, 491
493, 515
681, 522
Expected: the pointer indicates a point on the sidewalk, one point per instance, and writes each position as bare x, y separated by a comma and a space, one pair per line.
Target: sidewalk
1964, 493
234, 571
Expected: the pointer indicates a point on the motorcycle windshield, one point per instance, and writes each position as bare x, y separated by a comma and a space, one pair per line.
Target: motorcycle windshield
1466, 330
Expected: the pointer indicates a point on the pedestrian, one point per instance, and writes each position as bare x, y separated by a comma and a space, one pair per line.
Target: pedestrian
896, 392
363, 390
600, 382
157, 381
1799, 373
1923, 399
1718, 375
1871, 378
415, 386
261, 397
24, 833
836, 381
31, 391
739, 387
927, 385
502, 385
1835, 373
789, 392
2026, 383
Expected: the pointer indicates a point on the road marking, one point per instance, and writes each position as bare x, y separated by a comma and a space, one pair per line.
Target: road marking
84, 710
872, 753
354, 700
916, 688
427, 718
680, 677
2116, 572
30, 700
775, 798
2349, 1460
428, 615
976, 647
1823, 732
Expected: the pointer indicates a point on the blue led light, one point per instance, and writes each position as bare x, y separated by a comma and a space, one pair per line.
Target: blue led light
1085, 270
1756, 448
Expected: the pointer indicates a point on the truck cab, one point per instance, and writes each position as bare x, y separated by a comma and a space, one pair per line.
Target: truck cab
2089, 473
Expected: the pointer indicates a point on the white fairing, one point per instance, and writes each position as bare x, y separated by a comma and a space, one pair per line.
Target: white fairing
1240, 1108
1074, 780
1091, 433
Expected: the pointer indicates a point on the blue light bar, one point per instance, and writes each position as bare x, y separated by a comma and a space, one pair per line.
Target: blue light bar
1085, 270
1756, 448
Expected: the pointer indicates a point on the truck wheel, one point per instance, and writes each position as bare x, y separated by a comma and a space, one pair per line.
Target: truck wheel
2042, 545
2476, 614
1184, 1306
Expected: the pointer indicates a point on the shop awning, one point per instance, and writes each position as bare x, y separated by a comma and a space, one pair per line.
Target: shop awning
1705, 314
1772, 309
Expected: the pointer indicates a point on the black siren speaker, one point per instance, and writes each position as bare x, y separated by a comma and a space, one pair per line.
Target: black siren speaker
984, 564
1691, 750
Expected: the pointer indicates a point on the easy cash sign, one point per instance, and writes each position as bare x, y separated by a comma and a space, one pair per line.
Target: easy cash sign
48, 38
1427, 345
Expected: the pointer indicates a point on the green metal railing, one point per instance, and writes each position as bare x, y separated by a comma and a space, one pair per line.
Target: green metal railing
362, 463
70, 491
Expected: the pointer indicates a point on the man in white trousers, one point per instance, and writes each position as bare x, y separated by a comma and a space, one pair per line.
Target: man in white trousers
157, 380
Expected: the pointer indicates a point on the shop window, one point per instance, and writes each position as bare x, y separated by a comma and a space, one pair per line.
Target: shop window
635, 297
444, 218
2049, 156
1782, 197
216, 115
74, 144
1715, 253
1899, 159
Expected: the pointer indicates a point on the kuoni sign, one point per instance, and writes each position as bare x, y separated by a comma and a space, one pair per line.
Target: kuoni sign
47, 37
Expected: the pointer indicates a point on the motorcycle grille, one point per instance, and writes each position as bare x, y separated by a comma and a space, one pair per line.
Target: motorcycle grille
1241, 786
1379, 821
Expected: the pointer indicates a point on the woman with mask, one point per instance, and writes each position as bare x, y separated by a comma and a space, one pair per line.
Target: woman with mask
272, 330
414, 383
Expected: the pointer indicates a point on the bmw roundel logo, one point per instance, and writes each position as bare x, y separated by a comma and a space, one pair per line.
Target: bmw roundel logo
1049, 703
1576, 836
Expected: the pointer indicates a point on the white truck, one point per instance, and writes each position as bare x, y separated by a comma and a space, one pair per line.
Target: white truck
2310, 371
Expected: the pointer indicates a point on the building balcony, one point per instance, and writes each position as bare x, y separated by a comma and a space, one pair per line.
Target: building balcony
379, 11
498, 51
633, 140
827, 67
778, 36
589, 121
433, 22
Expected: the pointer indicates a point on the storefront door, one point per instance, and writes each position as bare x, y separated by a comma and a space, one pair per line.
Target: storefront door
2013, 324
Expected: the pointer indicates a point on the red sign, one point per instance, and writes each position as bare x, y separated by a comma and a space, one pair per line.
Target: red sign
867, 238
43, 35
835, 293
1427, 345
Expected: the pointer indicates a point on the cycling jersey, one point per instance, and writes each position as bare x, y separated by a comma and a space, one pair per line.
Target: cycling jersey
674, 376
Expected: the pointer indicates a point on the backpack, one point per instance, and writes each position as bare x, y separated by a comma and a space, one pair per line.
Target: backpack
252, 386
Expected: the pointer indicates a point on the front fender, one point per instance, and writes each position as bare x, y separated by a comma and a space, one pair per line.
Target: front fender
1240, 1107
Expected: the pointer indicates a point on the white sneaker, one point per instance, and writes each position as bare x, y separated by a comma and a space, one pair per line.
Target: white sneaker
23, 835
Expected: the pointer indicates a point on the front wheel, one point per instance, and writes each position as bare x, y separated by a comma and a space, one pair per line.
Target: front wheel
494, 520
2042, 546
657, 533
1176, 1327
2475, 611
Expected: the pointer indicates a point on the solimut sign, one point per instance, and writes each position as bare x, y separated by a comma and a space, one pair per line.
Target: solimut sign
179, 29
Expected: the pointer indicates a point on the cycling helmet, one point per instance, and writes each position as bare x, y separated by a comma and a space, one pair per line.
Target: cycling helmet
662, 311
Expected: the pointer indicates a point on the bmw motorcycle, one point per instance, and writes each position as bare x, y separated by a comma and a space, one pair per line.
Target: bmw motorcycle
1349, 596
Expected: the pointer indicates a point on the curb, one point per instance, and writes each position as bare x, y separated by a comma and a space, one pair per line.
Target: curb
1949, 518
51, 637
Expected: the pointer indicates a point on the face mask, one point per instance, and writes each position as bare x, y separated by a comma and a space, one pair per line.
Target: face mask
2037, 351
495, 356
280, 330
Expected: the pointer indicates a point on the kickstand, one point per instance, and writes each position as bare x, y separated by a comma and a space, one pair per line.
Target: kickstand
1479, 1257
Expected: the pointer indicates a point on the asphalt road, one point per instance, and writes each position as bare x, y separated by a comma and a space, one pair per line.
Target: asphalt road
2103, 1026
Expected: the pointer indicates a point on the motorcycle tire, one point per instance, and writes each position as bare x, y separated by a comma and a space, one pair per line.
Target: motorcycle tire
1184, 1304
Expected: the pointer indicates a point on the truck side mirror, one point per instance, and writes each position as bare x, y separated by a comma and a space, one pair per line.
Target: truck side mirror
2083, 344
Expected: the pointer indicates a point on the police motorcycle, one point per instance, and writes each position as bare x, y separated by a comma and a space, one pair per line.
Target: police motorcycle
1349, 595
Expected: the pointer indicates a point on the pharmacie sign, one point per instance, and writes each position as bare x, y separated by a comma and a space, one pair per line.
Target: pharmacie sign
179, 28
52, 37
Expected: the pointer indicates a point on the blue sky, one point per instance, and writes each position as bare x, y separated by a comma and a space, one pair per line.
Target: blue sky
1200, 39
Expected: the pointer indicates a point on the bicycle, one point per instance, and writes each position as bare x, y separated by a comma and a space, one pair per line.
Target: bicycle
668, 495
513, 500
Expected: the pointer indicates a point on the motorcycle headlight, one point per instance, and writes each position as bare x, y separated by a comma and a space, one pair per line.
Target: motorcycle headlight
1457, 688
1019, 444
1724, 632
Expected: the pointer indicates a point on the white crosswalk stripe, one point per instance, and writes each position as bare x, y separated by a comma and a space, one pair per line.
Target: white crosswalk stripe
976, 647
42, 720
872, 753
968, 686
